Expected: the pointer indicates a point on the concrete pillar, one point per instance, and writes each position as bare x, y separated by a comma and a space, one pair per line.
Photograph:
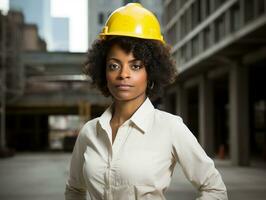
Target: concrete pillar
203, 9
212, 6
239, 115
3, 85
201, 42
181, 102
189, 19
84, 111
228, 22
206, 116
242, 13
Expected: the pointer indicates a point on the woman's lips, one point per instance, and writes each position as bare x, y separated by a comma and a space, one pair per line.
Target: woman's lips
124, 87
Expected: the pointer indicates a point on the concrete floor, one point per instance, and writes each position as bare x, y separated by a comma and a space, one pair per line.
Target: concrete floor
41, 176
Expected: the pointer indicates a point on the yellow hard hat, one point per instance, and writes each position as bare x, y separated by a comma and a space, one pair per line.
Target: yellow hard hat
132, 20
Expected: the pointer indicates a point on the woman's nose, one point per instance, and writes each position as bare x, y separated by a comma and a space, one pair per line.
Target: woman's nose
124, 72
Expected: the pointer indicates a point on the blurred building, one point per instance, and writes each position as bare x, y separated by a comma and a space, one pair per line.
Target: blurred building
36, 84
54, 30
99, 11
38, 13
220, 50
31, 41
15, 37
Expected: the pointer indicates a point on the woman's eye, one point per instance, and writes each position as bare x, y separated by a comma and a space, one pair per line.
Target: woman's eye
136, 66
113, 66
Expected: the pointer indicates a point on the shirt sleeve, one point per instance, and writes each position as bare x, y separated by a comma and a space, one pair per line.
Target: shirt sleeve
198, 168
75, 186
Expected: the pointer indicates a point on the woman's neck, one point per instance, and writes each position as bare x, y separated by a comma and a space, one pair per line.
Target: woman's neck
123, 110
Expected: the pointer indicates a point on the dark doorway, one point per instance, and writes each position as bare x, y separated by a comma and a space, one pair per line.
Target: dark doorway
27, 132
258, 110
221, 115
193, 110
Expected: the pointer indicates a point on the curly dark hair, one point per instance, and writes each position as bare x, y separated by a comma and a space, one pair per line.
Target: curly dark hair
154, 54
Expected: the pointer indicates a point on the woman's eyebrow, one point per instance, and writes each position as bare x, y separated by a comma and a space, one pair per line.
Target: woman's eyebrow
134, 60
112, 58
117, 60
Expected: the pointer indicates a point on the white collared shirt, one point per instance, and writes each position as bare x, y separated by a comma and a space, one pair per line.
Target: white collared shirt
140, 162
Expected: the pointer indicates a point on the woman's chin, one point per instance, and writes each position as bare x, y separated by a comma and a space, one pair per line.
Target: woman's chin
126, 97
123, 98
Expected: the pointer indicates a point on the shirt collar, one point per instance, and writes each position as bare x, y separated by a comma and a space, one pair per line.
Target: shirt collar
105, 118
139, 118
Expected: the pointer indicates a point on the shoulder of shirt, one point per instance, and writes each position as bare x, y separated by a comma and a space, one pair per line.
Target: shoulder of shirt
164, 116
89, 126
173, 123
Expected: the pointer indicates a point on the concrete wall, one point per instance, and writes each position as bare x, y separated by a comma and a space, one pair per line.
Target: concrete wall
215, 43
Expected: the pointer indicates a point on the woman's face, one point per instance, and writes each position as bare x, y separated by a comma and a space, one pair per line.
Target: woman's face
126, 76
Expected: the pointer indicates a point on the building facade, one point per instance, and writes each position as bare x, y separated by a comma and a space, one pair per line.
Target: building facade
219, 48
15, 37
36, 12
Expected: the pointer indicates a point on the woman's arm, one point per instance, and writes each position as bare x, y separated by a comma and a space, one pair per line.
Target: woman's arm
75, 186
197, 166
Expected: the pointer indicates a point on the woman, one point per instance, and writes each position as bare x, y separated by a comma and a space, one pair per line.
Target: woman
130, 151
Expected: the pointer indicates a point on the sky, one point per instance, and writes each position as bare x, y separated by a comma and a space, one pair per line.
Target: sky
76, 11
4, 5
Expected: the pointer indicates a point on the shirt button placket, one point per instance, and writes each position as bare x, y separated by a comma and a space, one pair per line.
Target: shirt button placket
119, 140
108, 175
